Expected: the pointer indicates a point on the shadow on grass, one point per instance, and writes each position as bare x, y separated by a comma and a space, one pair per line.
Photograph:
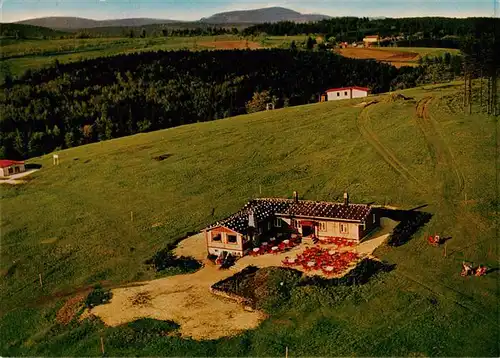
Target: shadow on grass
361, 274
410, 221
445, 239
32, 166
166, 259
492, 270
162, 157
272, 286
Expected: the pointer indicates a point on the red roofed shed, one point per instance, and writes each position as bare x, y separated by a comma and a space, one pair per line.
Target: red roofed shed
9, 167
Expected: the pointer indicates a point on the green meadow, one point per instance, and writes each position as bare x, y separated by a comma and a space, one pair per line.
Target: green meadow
18, 56
109, 206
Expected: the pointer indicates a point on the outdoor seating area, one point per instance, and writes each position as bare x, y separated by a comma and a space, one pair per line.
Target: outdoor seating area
330, 262
276, 245
338, 241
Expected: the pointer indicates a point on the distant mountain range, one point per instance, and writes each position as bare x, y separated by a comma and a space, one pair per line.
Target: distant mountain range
270, 14
69, 23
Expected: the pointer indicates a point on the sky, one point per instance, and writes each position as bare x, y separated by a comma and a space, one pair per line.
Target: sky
15, 10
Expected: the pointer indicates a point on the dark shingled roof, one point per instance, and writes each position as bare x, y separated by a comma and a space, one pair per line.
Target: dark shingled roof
269, 207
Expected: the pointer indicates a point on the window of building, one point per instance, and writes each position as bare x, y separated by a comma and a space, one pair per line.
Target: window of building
294, 223
216, 237
11, 170
344, 228
17, 170
338, 94
345, 93
232, 239
277, 222
322, 226
363, 226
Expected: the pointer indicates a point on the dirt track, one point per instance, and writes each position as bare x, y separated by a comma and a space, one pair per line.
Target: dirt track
439, 151
185, 299
385, 152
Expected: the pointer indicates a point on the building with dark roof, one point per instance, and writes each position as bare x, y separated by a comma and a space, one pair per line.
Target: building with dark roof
273, 216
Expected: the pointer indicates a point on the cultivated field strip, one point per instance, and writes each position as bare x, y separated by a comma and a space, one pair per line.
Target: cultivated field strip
386, 153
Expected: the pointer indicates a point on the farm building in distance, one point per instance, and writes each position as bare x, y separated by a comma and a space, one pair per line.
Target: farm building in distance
273, 217
334, 94
9, 167
371, 40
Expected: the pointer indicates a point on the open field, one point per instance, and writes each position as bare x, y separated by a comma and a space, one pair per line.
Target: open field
396, 56
33, 54
422, 51
229, 45
423, 151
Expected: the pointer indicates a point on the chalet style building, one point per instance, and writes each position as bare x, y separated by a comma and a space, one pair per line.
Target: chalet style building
266, 217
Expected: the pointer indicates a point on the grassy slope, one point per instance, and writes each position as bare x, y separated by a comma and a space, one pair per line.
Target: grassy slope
79, 231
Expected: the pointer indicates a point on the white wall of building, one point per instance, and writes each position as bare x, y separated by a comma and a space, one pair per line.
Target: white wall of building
338, 95
345, 94
358, 93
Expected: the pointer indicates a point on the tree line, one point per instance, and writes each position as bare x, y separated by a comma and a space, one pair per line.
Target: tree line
481, 52
355, 28
93, 100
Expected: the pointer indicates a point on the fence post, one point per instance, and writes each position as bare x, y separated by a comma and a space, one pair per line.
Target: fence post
102, 346
40, 278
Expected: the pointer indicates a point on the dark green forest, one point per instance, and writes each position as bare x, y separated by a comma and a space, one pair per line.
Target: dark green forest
22, 31
77, 103
354, 28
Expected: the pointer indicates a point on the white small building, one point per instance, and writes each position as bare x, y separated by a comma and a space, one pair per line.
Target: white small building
371, 40
335, 94
10, 167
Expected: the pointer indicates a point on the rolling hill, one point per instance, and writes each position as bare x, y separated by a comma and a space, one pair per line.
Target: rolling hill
28, 31
421, 152
68, 23
269, 14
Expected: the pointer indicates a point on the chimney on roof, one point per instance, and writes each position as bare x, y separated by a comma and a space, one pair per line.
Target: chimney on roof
295, 196
251, 219
346, 199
